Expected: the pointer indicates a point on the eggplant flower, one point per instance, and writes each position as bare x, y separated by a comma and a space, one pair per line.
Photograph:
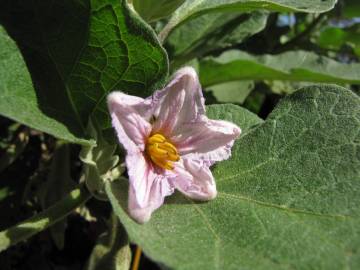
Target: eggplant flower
170, 143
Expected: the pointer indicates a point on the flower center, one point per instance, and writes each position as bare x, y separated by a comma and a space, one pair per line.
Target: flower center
161, 152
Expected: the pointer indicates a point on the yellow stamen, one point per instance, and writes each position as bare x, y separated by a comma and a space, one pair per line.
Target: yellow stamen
168, 147
157, 138
162, 163
161, 152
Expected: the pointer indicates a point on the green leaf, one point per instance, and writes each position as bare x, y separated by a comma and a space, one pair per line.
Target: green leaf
194, 8
290, 66
334, 38
255, 101
235, 114
214, 31
152, 10
19, 100
287, 199
59, 177
43, 220
232, 92
112, 252
127, 57
100, 164
78, 51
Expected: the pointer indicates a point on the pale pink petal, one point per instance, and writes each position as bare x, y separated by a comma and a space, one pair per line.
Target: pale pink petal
209, 140
147, 189
181, 101
194, 179
131, 128
177, 112
140, 105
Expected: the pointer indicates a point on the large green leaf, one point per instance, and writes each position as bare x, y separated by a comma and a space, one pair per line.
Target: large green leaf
289, 197
194, 8
290, 66
233, 113
214, 31
79, 50
19, 101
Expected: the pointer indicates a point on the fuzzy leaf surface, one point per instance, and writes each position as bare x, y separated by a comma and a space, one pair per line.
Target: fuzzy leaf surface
19, 101
288, 198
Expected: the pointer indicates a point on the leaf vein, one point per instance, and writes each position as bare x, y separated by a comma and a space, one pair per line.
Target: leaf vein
284, 208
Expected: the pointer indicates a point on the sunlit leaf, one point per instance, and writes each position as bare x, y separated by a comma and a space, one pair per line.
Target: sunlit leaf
288, 198
290, 66
214, 31
194, 8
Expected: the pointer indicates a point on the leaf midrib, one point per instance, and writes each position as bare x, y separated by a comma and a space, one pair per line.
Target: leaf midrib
282, 207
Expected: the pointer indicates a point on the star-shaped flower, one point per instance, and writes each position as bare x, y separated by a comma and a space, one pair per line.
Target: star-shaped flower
170, 143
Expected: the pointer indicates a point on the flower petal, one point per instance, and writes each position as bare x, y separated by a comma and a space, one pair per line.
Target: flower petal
127, 113
181, 101
147, 188
194, 178
142, 106
209, 140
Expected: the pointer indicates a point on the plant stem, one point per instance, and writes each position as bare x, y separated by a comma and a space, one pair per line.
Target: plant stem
44, 219
137, 257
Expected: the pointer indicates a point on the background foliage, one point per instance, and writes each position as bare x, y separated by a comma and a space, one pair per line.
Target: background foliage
288, 197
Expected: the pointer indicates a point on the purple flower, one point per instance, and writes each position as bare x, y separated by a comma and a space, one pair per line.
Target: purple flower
170, 143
